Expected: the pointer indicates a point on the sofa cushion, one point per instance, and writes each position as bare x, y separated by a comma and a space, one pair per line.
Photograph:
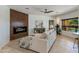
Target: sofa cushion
41, 36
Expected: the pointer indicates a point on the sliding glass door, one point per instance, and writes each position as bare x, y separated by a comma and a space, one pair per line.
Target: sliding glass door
70, 24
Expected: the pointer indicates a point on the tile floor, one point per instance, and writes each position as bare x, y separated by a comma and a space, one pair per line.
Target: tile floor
63, 44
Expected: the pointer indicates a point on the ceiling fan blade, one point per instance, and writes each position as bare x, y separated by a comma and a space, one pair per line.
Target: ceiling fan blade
48, 11
51, 11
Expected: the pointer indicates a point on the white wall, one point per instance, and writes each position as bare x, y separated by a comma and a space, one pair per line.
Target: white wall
4, 25
65, 16
33, 18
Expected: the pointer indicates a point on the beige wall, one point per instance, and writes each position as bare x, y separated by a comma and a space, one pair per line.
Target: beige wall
4, 25
33, 18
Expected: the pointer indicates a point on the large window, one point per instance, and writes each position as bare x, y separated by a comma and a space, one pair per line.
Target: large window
70, 24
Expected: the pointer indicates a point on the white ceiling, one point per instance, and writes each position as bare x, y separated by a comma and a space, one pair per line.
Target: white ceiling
35, 9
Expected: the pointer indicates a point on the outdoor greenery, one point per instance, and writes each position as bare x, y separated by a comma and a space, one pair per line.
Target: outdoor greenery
71, 25
73, 22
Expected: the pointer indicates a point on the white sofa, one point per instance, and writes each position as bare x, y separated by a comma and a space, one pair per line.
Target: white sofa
43, 44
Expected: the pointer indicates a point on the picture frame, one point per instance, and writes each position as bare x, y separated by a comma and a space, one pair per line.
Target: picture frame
51, 24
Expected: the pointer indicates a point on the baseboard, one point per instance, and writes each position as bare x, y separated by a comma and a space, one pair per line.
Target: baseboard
4, 44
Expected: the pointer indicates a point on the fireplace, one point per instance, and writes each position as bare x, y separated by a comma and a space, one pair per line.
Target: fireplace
20, 29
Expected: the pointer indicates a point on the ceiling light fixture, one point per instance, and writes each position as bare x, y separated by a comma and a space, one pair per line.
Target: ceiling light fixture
47, 11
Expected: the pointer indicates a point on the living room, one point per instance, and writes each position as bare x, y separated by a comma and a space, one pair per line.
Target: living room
38, 24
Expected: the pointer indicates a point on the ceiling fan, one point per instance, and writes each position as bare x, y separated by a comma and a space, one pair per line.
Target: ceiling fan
47, 11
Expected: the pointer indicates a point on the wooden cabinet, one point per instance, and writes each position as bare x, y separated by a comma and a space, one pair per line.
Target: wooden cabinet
18, 19
39, 30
